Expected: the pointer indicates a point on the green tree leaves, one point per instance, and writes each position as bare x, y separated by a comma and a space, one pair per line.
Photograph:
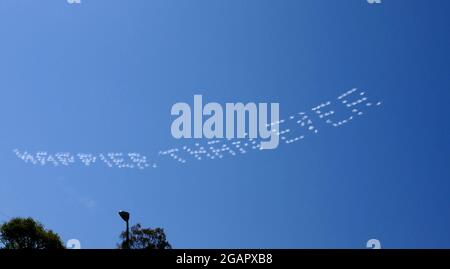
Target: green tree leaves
21, 233
145, 238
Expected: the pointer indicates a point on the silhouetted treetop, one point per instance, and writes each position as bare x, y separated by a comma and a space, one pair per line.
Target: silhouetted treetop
26, 233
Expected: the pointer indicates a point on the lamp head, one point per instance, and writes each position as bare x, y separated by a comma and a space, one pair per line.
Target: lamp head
124, 215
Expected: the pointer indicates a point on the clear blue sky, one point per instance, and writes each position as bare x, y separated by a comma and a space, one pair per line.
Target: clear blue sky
101, 76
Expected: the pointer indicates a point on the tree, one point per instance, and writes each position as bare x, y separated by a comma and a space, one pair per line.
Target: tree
145, 238
26, 233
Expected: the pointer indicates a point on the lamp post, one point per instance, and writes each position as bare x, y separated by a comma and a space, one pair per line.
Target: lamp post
126, 217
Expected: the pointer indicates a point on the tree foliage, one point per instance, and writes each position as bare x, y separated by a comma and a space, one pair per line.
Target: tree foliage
145, 238
26, 233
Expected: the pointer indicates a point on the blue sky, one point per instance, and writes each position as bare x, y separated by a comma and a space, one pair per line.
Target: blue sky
101, 76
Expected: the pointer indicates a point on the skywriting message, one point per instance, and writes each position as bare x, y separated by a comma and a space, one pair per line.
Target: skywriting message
209, 141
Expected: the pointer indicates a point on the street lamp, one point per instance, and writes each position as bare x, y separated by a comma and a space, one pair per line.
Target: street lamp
126, 217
